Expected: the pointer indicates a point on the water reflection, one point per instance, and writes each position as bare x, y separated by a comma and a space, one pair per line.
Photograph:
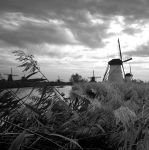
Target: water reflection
30, 92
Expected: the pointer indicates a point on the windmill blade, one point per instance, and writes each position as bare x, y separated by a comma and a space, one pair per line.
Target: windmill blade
14, 75
30, 75
106, 72
11, 70
11, 73
123, 70
120, 53
127, 60
59, 78
130, 69
93, 74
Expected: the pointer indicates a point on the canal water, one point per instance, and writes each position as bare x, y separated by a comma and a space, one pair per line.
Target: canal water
66, 90
22, 92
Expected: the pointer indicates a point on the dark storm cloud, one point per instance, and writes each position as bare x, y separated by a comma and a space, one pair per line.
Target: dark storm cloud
89, 35
137, 8
132, 10
75, 30
38, 8
33, 33
141, 51
74, 13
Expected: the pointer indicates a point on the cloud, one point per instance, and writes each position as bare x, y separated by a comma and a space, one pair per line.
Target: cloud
141, 51
20, 30
78, 17
35, 32
131, 30
137, 8
61, 55
7, 60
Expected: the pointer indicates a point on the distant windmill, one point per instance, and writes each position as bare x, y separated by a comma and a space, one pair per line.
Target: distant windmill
10, 76
115, 68
93, 78
128, 76
59, 80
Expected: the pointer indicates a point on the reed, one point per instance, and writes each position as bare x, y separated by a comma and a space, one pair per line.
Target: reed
98, 115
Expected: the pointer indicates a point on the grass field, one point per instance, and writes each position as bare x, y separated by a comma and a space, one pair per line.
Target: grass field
103, 116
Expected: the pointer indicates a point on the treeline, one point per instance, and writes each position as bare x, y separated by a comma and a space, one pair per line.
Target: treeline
76, 78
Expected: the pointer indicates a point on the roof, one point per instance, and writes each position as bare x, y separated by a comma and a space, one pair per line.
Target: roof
128, 75
115, 62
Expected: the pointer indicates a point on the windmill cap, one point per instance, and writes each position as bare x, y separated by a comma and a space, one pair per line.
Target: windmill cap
115, 62
128, 75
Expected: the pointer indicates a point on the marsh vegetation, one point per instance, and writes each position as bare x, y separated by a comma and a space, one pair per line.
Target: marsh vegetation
97, 115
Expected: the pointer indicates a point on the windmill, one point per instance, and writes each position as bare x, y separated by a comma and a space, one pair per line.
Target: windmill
59, 80
93, 78
128, 76
115, 70
10, 76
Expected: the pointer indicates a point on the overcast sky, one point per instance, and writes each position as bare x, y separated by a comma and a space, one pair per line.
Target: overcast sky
75, 36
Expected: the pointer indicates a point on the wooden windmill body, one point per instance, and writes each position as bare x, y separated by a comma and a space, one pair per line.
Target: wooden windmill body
115, 69
115, 72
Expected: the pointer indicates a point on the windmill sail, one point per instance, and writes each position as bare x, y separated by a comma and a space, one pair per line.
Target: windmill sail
127, 60
130, 69
121, 57
106, 72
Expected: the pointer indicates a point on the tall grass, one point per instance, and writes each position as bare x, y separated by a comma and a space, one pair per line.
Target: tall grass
97, 115
124, 110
